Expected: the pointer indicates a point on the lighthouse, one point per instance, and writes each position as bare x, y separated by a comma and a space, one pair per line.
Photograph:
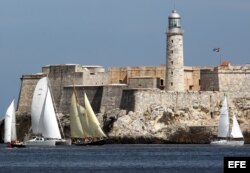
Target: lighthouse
174, 54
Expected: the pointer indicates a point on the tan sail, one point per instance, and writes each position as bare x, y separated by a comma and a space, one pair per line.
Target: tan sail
93, 123
84, 120
75, 121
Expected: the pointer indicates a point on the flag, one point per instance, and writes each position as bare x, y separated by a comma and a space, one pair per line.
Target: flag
216, 49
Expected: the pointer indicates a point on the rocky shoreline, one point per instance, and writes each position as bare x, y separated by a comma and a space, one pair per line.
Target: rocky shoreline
157, 125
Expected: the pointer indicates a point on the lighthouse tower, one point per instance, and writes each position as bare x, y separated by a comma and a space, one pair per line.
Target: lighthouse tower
174, 68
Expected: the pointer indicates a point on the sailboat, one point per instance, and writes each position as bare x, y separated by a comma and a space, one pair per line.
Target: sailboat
225, 136
10, 136
44, 123
84, 126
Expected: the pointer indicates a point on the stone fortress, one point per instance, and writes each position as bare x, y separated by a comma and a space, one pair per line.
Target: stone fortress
169, 103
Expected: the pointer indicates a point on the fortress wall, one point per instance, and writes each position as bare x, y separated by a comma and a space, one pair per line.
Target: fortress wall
101, 98
234, 80
209, 80
72, 74
121, 74
94, 79
196, 79
139, 100
104, 98
28, 84
60, 76
111, 97
94, 95
117, 75
146, 82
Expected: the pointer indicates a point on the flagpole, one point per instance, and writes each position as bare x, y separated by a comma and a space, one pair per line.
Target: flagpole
220, 57
220, 54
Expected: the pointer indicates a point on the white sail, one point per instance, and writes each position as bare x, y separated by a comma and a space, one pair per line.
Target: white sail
43, 116
38, 101
10, 124
48, 118
13, 122
223, 128
236, 131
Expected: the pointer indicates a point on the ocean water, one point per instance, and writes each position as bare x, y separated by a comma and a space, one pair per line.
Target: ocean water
118, 158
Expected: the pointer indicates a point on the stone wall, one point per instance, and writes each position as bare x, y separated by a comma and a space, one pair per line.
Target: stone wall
95, 79
60, 76
28, 84
121, 74
209, 80
143, 98
144, 82
235, 78
73, 74
111, 97
101, 98
226, 79
192, 78
94, 95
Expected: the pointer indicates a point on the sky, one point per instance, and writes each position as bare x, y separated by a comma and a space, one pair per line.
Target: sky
35, 33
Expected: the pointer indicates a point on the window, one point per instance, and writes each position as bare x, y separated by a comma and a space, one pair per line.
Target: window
162, 82
172, 51
175, 23
171, 83
172, 41
172, 73
172, 62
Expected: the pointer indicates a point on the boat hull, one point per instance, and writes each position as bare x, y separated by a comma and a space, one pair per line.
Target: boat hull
227, 143
18, 145
15, 145
99, 142
41, 143
63, 142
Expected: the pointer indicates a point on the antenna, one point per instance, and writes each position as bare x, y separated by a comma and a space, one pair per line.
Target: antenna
174, 4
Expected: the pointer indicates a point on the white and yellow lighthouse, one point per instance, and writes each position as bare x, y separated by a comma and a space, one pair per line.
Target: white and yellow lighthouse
174, 54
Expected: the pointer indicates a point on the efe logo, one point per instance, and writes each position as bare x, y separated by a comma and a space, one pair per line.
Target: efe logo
236, 164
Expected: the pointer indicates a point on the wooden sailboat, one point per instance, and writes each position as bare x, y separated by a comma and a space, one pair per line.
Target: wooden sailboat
10, 137
84, 125
44, 123
225, 136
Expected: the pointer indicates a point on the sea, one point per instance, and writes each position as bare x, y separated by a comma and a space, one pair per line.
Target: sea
122, 158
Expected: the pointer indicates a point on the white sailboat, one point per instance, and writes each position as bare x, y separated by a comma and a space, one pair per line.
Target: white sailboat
225, 136
84, 125
43, 117
10, 136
